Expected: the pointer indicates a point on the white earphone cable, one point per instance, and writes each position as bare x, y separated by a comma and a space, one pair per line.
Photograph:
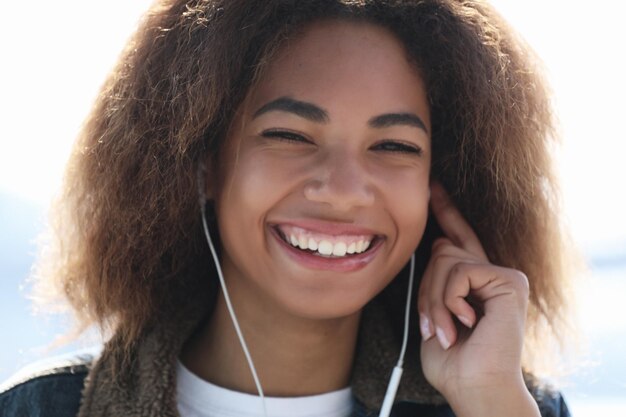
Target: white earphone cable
396, 374
407, 312
229, 305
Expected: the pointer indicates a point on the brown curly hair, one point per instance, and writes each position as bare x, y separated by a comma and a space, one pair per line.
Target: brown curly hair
128, 248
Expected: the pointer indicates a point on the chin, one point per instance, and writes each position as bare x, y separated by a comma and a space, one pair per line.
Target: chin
327, 306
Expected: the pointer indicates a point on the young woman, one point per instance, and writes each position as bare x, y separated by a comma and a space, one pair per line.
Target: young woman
332, 150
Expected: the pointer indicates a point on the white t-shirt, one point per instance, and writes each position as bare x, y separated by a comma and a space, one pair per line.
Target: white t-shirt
199, 398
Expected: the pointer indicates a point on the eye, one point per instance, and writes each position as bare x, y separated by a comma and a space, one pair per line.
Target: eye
285, 135
397, 147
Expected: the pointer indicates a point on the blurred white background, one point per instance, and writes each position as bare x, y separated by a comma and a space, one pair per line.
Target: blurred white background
56, 54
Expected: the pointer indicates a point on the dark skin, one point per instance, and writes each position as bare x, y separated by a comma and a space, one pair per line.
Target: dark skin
483, 368
344, 177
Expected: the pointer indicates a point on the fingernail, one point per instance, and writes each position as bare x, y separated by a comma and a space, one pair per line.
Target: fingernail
443, 340
425, 327
466, 321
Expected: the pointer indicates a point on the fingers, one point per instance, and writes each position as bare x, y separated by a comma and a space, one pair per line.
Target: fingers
441, 299
452, 222
435, 318
457, 269
447, 283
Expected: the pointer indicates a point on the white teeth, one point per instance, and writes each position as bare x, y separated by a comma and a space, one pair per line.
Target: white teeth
325, 248
351, 248
339, 249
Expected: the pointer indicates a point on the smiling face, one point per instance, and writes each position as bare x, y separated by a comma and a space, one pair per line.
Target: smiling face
323, 190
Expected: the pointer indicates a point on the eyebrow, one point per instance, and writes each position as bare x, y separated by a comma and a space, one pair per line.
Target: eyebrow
316, 114
301, 108
394, 119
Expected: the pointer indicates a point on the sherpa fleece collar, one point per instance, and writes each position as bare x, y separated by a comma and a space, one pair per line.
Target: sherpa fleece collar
145, 386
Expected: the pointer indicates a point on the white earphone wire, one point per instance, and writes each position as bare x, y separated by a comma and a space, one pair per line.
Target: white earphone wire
229, 305
394, 381
407, 311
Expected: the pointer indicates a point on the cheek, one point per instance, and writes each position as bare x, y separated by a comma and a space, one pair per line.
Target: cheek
249, 185
261, 177
410, 210
253, 187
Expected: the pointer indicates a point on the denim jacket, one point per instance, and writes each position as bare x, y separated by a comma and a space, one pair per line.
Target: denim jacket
55, 391
107, 385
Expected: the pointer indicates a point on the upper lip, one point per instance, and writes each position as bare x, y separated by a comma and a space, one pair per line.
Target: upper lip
328, 227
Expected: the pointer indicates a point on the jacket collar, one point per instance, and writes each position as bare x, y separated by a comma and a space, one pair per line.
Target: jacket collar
145, 385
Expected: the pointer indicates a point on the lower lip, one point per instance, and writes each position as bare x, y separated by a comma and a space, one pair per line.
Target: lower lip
346, 264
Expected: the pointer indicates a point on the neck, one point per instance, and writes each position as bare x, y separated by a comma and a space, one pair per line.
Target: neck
293, 356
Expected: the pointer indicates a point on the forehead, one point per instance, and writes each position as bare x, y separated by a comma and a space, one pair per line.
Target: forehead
342, 64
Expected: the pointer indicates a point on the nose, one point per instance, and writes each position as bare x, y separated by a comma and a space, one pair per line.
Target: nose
342, 182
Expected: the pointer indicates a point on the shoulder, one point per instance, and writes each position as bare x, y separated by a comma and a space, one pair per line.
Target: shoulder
47, 388
551, 402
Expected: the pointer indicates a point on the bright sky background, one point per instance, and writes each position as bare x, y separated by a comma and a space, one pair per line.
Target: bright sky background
57, 53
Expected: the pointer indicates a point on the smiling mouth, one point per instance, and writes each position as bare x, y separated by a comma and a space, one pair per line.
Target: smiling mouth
326, 246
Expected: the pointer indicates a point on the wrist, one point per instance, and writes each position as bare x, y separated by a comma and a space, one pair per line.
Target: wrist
496, 399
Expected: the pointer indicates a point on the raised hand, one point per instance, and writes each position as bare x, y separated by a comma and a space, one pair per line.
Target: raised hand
472, 320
